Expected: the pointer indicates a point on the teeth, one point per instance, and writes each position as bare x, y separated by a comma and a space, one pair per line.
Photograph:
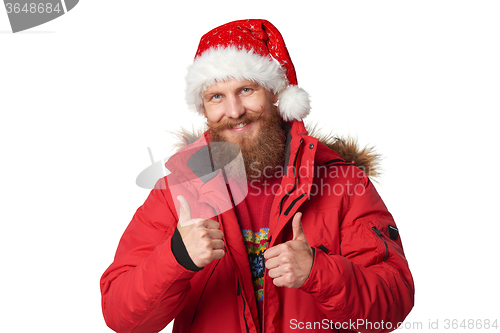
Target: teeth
239, 125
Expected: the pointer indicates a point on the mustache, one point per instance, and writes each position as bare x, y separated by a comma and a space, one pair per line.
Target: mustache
228, 123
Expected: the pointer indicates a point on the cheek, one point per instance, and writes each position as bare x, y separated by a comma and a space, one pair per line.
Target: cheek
254, 106
262, 102
213, 115
260, 105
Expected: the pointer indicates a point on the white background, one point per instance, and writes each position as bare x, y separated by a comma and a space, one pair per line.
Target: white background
83, 96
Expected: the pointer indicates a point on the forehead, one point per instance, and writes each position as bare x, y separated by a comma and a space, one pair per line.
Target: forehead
230, 85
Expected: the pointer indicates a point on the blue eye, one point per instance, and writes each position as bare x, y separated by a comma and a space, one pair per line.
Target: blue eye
216, 96
245, 90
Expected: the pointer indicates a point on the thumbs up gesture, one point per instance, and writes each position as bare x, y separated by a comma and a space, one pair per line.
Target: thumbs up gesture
202, 237
290, 263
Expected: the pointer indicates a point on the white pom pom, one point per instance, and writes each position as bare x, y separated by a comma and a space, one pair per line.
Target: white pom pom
294, 103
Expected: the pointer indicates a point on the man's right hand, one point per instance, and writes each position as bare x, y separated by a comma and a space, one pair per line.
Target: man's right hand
202, 237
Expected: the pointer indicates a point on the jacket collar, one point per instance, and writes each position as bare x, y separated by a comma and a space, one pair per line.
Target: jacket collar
193, 170
195, 160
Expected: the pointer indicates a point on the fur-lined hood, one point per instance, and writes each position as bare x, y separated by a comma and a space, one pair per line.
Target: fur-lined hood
348, 148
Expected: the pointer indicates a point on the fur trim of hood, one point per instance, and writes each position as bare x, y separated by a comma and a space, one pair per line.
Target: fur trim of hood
365, 158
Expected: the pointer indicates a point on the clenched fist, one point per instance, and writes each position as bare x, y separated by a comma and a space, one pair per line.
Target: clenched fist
290, 263
202, 237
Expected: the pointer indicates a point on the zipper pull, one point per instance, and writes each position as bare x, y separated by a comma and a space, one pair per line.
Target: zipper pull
379, 234
377, 231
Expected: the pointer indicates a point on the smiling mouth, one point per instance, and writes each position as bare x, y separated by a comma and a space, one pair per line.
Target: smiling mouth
240, 125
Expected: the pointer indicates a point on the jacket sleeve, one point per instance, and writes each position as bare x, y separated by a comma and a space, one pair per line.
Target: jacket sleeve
369, 283
145, 287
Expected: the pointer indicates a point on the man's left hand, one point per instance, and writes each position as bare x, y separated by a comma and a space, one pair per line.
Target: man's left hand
290, 263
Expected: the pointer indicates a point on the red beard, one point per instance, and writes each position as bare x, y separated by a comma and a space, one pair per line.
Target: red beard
265, 150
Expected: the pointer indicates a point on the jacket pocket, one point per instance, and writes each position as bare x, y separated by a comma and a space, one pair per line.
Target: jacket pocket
380, 235
323, 245
375, 240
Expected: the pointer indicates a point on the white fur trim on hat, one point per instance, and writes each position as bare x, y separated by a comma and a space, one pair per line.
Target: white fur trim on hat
224, 64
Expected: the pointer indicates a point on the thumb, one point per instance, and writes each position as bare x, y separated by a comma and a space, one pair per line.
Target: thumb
184, 210
298, 231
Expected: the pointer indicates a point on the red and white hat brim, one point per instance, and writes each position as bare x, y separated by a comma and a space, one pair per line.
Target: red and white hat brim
224, 64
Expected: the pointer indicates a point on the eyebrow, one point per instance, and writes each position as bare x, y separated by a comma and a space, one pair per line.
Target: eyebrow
208, 94
252, 84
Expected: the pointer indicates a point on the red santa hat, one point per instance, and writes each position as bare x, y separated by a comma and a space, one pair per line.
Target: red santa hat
251, 50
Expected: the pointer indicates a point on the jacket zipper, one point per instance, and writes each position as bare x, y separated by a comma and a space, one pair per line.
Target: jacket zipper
294, 176
379, 234
239, 293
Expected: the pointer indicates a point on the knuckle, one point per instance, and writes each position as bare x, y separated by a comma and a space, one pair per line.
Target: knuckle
199, 223
283, 249
202, 233
285, 259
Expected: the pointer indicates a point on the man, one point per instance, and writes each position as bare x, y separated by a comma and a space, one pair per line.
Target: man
294, 236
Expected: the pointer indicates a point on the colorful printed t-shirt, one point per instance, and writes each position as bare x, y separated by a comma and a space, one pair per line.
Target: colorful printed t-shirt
253, 216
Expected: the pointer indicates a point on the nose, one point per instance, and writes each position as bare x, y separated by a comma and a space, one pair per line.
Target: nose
234, 107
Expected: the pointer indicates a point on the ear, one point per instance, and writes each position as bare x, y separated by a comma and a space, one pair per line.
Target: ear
275, 98
272, 96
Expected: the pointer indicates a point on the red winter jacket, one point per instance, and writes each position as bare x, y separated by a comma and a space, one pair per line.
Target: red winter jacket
360, 280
